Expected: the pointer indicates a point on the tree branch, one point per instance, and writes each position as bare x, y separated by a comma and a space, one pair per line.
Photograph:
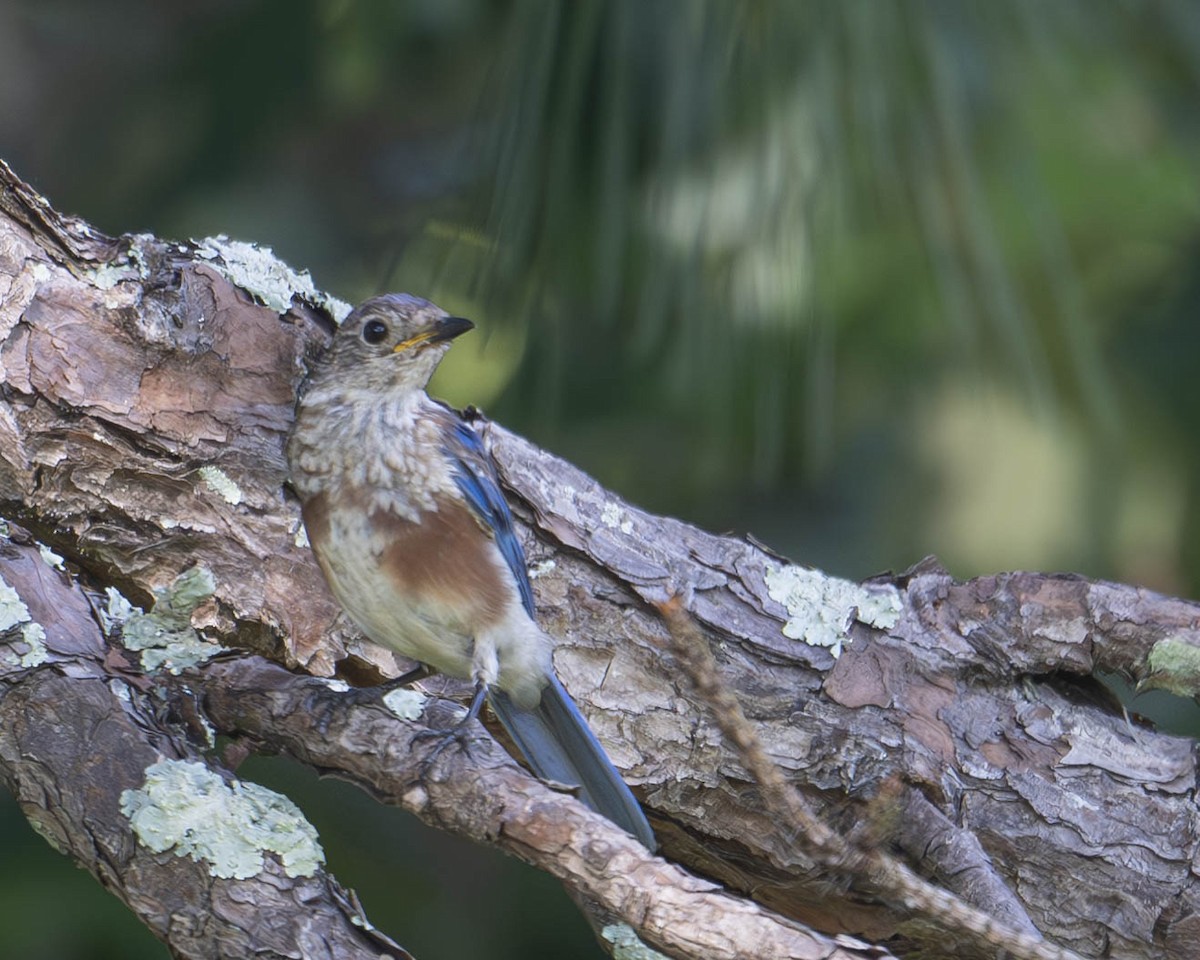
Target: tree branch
148, 389
78, 729
483, 795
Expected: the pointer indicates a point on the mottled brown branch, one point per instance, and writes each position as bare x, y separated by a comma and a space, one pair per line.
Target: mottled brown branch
148, 387
483, 795
78, 729
870, 870
979, 697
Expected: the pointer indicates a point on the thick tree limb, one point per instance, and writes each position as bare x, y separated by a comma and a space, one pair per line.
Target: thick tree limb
147, 397
482, 794
78, 728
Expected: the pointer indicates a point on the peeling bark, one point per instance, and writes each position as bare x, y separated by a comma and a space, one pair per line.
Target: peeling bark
146, 399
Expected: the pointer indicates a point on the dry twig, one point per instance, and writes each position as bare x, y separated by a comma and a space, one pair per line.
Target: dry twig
873, 871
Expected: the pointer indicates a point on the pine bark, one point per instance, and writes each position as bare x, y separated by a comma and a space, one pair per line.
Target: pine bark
148, 387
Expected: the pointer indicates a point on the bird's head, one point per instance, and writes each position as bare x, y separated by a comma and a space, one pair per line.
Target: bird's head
392, 342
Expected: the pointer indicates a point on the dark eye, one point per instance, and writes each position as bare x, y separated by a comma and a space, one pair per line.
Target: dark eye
374, 331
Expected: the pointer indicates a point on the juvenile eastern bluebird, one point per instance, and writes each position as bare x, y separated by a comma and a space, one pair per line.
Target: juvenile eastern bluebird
408, 523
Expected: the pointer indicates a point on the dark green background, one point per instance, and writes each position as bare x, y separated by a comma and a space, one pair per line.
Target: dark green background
868, 279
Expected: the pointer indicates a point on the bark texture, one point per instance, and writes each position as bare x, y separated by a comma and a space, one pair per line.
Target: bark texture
148, 387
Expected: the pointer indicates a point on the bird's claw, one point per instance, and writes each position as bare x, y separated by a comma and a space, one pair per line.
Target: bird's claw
460, 735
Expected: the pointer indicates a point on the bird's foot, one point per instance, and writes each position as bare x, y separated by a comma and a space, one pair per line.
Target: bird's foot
460, 735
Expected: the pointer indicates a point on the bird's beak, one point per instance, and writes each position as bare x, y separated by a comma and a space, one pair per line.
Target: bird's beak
442, 329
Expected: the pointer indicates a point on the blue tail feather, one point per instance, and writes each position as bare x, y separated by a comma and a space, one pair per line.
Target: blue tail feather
559, 745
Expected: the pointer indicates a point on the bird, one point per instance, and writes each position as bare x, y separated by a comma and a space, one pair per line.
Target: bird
404, 512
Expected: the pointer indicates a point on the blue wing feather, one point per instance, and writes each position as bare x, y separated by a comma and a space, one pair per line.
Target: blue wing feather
554, 736
477, 481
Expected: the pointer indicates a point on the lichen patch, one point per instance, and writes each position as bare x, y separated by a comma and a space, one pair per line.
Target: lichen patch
188, 809
821, 608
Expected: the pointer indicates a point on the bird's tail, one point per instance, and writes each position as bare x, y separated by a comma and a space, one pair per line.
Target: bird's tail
559, 745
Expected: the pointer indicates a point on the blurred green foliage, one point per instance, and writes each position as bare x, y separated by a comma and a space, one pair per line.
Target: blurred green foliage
870, 279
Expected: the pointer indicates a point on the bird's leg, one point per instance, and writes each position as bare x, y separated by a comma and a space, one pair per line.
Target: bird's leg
459, 733
481, 689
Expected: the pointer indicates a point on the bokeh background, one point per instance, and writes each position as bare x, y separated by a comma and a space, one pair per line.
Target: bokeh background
870, 280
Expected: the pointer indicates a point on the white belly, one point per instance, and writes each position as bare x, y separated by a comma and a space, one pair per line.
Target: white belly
388, 617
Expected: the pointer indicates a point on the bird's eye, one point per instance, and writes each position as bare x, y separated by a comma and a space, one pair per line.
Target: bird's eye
374, 331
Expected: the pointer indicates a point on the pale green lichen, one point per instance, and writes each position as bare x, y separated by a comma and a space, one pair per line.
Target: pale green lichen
12, 608
821, 608
188, 809
35, 638
1174, 666
627, 945
218, 481
129, 266
405, 702
110, 274
541, 569
116, 609
616, 518
301, 537
263, 275
13, 614
164, 635
50, 558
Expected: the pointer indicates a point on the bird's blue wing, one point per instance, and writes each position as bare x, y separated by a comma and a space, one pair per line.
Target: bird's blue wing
476, 478
553, 736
